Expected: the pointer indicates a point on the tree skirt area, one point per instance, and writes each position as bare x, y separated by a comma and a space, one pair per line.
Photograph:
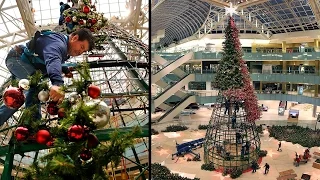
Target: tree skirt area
164, 144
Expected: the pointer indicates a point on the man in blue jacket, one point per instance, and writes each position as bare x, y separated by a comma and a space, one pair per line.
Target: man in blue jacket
53, 50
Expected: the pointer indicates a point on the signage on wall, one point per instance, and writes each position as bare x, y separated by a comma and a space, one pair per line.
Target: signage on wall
300, 90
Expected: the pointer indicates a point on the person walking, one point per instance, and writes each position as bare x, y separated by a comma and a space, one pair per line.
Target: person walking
279, 146
267, 167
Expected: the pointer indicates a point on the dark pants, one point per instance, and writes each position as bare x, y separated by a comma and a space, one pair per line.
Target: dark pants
266, 170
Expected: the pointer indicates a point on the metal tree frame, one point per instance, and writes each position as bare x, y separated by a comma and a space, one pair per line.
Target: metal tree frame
231, 143
120, 68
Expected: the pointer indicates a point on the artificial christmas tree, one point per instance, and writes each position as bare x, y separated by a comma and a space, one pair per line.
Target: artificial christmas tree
232, 141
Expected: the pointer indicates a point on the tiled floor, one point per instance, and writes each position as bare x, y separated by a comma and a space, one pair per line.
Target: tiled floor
163, 145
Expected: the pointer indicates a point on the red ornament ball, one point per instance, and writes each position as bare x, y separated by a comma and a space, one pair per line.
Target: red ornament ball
93, 141
86, 9
85, 154
21, 133
81, 22
13, 98
50, 143
61, 113
52, 108
75, 133
43, 136
94, 91
68, 19
93, 21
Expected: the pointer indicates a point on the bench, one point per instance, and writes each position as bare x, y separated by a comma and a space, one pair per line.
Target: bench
287, 177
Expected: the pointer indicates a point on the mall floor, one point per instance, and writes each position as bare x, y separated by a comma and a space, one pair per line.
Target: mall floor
163, 145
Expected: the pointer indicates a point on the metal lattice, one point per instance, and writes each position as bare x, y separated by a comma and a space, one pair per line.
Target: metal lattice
231, 141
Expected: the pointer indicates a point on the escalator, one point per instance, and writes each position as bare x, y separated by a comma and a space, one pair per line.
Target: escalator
175, 110
161, 61
161, 97
170, 67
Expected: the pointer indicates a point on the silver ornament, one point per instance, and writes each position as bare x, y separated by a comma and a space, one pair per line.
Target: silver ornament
24, 84
73, 97
101, 116
43, 96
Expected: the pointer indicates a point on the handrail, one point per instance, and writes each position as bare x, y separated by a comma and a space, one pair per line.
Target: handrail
167, 88
167, 64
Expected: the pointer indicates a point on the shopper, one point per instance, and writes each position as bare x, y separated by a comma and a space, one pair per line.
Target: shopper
52, 50
267, 167
279, 146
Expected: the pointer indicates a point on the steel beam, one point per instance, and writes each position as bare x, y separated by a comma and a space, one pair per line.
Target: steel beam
102, 135
316, 11
251, 3
253, 26
27, 17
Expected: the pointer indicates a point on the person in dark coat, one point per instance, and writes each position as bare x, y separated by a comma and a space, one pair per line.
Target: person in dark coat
63, 7
234, 121
236, 109
279, 146
267, 167
227, 106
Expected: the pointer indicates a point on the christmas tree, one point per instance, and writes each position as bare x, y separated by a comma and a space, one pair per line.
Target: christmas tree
83, 14
231, 142
233, 79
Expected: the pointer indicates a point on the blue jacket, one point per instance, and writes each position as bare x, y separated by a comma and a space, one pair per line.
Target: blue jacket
53, 50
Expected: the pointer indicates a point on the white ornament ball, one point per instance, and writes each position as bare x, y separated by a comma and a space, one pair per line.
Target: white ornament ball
43, 96
74, 19
101, 117
73, 97
24, 84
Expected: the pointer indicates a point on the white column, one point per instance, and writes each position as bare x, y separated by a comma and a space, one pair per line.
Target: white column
208, 85
314, 112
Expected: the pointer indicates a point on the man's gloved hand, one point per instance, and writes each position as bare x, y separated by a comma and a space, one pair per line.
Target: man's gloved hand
56, 94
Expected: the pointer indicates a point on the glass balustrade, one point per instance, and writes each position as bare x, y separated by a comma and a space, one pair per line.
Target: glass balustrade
199, 53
